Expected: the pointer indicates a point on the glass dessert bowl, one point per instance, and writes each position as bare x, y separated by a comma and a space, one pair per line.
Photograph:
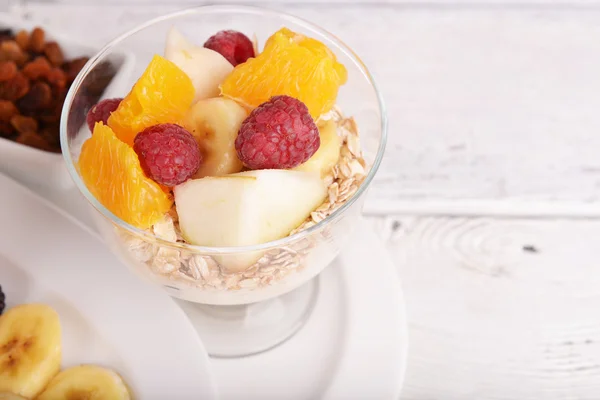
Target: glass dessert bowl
232, 170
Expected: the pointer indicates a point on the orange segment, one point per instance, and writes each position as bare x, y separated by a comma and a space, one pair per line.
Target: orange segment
111, 171
290, 64
163, 94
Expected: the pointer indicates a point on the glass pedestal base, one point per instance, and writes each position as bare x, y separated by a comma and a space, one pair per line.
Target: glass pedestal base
244, 330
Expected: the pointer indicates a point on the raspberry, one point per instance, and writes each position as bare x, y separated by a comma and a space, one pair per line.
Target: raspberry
168, 153
278, 134
101, 111
233, 45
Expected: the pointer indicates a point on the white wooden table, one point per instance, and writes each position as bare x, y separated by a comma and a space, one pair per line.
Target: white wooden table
490, 188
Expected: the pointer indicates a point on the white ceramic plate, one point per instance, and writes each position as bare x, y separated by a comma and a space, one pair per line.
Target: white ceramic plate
109, 316
354, 346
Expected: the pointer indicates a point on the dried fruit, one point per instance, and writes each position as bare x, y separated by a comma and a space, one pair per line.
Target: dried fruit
6, 130
22, 39
163, 94
38, 68
37, 89
51, 136
168, 153
24, 124
233, 45
73, 67
38, 98
293, 65
8, 70
10, 51
37, 40
7, 110
279, 134
54, 53
112, 173
5, 34
15, 88
32, 139
101, 111
57, 78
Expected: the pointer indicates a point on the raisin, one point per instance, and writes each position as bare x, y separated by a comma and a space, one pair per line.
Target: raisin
5, 34
34, 140
22, 39
6, 130
38, 98
10, 51
14, 88
24, 124
51, 135
7, 110
100, 78
54, 53
8, 70
37, 40
73, 67
38, 68
57, 78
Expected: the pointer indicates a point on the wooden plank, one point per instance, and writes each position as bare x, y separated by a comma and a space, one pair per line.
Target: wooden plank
497, 107
499, 309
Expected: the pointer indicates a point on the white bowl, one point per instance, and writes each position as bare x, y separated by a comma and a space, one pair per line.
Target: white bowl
36, 167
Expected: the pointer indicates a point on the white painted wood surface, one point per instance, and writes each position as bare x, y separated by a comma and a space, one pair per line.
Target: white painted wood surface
494, 111
494, 106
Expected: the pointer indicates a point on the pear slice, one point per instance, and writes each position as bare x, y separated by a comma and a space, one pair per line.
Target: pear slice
246, 208
215, 123
328, 153
205, 67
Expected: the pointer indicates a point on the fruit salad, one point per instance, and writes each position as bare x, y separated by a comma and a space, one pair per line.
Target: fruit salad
30, 361
221, 145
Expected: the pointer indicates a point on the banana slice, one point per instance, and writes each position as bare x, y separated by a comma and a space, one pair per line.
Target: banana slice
215, 123
86, 382
30, 349
329, 151
10, 396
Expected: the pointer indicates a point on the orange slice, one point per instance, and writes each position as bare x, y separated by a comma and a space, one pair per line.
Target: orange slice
163, 94
291, 64
111, 171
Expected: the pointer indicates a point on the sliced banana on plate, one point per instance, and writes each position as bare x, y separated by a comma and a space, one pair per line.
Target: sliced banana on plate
86, 382
30, 349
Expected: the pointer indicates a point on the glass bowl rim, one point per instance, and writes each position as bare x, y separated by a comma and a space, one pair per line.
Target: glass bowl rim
207, 9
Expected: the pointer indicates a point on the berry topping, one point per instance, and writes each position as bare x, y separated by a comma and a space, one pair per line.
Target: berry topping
2, 301
233, 45
101, 111
278, 134
168, 153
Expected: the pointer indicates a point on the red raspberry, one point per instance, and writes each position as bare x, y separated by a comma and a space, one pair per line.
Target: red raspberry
168, 153
233, 45
101, 112
278, 134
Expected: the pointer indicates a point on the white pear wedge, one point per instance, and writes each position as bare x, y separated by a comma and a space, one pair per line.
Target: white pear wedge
246, 208
205, 67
